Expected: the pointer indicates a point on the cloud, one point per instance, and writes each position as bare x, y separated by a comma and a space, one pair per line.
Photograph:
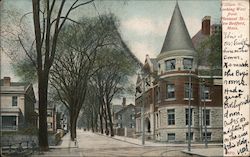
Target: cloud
142, 49
193, 25
145, 26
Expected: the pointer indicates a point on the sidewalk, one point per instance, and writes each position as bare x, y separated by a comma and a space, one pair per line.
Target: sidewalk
215, 149
66, 143
138, 141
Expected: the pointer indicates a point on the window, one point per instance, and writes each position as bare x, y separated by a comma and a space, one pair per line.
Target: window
119, 125
119, 116
171, 117
171, 136
170, 91
205, 92
132, 117
9, 122
14, 101
186, 90
170, 64
132, 125
187, 63
191, 136
187, 116
49, 125
49, 113
209, 136
206, 117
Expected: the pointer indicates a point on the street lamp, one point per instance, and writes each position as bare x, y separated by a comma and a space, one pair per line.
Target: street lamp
189, 110
204, 113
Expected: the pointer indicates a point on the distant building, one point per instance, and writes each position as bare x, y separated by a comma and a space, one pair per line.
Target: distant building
125, 118
64, 122
17, 105
51, 118
125, 121
171, 81
149, 98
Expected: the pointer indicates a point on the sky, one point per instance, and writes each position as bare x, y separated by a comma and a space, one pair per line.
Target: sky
143, 23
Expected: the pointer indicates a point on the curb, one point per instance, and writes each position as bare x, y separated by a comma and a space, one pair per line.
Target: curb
119, 139
201, 155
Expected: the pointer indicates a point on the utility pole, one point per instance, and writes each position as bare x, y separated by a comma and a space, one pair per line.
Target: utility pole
142, 109
189, 111
205, 113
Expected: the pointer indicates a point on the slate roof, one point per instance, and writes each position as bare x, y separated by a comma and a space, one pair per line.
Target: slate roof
177, 37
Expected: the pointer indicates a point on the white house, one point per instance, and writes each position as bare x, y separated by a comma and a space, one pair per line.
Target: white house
17, 105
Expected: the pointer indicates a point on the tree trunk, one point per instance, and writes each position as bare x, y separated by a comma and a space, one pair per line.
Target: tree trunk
42, 96
101, 118
73, 127
110, 119
92, 121
106, 122
42, 80
96, 125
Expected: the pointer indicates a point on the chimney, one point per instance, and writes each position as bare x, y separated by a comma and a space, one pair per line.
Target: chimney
205, 28
123, 101
6, 81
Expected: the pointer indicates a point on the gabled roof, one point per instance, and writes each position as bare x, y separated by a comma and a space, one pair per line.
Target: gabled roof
138, 79
125, 108
177, 37
151, 64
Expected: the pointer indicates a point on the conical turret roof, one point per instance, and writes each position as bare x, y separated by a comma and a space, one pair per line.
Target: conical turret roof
177, 37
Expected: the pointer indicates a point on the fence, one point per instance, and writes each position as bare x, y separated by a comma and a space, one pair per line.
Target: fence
19, 149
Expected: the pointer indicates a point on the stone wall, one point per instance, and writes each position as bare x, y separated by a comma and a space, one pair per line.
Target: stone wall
180, 128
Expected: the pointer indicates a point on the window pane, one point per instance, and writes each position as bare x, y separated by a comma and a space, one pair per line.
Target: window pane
205, 92
186, 90
9, 122
14, 101
170, 64
187, 63
187, 116
206, 117
191, 136
171, 136
170, 91
171, 117
209, 136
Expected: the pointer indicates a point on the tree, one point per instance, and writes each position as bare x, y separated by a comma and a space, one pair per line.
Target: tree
47, 29
111, 79
211, 50
73, 67
39, 47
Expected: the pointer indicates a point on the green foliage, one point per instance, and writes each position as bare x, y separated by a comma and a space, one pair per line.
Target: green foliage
211, 46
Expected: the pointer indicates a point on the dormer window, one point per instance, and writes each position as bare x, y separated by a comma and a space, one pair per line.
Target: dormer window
187, 63
170, 64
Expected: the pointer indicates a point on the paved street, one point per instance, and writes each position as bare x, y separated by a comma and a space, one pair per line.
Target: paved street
90, 144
